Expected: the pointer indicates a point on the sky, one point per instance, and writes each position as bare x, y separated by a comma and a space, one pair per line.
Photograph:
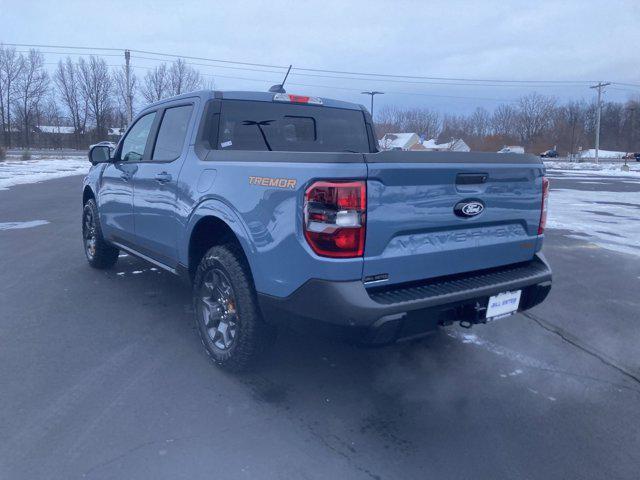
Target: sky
493, 40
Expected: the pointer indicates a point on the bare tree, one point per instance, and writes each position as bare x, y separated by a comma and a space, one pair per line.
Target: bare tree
416, 120
121, 92
32, 86
96, 88
10, 68
503, 120
67, 80
534, 116
156, 84
183, 78
422, 121
481, 122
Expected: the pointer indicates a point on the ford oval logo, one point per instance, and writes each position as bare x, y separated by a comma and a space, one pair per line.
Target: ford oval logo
469, 208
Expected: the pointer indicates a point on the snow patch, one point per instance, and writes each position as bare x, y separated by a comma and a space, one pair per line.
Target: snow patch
20, 172
604, 169
20, 225
608, 219
499, 350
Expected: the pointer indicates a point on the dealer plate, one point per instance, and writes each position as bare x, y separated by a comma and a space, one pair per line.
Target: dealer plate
503, 304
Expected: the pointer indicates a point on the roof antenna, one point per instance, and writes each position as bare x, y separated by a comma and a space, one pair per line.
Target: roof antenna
279, 88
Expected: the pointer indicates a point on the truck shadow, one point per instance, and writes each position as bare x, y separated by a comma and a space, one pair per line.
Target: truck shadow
408, 399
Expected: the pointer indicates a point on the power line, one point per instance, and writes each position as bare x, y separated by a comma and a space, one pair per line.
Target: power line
383, 80
318, 70
337, 75
334, 77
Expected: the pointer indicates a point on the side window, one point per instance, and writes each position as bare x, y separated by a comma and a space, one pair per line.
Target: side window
172, 133
134, 143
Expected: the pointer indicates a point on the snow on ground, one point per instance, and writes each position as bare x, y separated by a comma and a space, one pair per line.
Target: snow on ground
601, 169
591, 153
18, 172
608, 219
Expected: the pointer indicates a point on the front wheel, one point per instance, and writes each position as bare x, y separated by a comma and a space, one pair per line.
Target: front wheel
226, 311
99, 253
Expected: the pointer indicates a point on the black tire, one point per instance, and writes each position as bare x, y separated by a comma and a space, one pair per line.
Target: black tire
246, 335
99, 253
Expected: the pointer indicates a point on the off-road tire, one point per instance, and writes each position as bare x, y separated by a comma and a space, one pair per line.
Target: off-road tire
104, 255
253, 335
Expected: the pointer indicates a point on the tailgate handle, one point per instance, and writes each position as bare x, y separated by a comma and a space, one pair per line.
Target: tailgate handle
471, 178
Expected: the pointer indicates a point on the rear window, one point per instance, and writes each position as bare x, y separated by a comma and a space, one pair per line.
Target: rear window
247, 125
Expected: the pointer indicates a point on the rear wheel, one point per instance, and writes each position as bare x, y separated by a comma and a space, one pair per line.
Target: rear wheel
99, 253
226, 310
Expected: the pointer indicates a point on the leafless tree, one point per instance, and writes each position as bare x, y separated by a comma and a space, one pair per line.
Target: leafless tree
96, 88
67, 80
183, 78
456, 126
10, 69
503, 120
156, 84
422, 121
121, 91
534, 116
481, 122
32, 86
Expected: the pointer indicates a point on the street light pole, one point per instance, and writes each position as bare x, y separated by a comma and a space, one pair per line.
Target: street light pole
372, 93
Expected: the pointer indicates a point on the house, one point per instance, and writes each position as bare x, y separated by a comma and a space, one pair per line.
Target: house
115, 132
399, 141
455, 145
55, 129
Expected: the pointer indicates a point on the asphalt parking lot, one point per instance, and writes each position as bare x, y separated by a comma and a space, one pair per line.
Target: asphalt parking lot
102, 375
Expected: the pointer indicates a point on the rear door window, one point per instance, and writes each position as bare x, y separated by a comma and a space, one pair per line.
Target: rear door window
249, 125
172, 133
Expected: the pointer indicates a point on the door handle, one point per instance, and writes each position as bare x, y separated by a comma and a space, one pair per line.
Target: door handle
125, 176
471, 178
163, 177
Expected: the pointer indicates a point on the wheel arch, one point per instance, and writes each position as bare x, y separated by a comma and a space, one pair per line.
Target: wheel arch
87, 194
213, 226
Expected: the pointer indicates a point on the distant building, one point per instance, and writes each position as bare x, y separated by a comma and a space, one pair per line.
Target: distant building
399, 141
115, 132
55, 129
455, 145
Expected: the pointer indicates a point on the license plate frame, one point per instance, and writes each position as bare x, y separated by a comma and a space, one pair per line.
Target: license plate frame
503, 304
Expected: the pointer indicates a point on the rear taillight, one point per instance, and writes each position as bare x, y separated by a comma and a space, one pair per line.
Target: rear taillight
335, 218
545, 204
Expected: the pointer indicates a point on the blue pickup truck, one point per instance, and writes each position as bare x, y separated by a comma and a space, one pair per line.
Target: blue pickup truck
279, 208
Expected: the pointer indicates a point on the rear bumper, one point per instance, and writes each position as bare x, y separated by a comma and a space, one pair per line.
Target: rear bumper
386, 313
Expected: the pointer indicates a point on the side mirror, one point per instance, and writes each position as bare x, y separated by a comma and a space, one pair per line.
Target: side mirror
100, 154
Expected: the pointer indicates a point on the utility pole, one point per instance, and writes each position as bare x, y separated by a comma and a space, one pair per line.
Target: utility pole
127, 70
633, 127
599, 86
372, 93
632, 110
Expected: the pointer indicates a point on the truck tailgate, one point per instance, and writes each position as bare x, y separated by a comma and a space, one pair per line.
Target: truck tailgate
413, 232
